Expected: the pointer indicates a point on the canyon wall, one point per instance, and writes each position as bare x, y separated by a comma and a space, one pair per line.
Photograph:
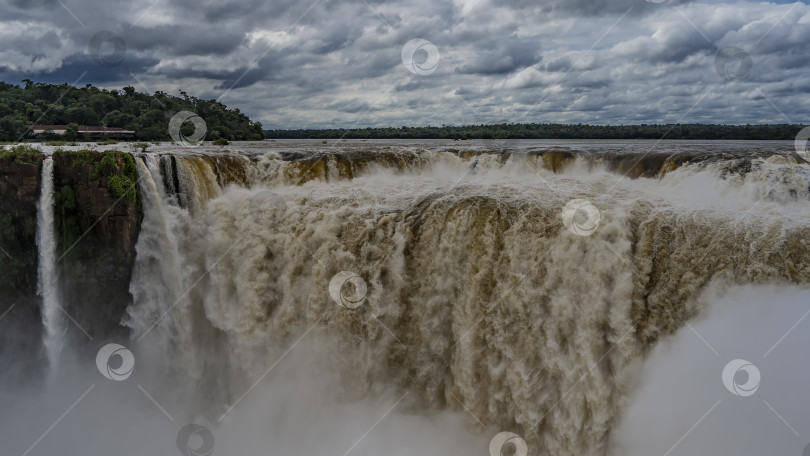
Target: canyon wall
19, 303
97, 216
97, 219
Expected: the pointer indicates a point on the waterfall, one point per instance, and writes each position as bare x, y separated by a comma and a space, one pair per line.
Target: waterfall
48, 286
164, 321
478, 297
157, 280
293, 292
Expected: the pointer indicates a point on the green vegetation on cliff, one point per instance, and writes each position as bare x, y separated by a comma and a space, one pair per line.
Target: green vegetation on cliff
147, 115
21, 153
115, 168
551, 131
97, 217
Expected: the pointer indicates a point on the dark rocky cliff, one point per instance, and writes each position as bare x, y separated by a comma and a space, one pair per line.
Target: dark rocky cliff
20, 317
97, 218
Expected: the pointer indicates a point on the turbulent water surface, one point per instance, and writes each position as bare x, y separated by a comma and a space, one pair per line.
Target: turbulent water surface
419, 297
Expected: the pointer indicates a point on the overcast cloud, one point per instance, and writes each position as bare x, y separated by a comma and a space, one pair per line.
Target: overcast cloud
338, 63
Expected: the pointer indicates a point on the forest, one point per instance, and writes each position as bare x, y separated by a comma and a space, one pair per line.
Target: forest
551, 131
147, 115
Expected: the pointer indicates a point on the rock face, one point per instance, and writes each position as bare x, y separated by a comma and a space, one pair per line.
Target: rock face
97, 219
20, 317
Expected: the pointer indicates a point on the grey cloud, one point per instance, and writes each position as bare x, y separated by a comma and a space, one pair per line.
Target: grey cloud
34, 4
561, 64
518, 60
241, 79
587, 82
183, 40
352, 106
32, 43
587, 7
75, 65
507, 55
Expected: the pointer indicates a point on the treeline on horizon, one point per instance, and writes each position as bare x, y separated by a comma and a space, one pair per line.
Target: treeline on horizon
551, 131
147, 115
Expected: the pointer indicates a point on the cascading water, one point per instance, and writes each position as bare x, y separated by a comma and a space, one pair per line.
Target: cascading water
47, 286
165, 322
157, 283
484, 294
478, 297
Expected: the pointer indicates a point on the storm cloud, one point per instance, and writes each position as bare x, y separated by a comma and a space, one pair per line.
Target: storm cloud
338, 63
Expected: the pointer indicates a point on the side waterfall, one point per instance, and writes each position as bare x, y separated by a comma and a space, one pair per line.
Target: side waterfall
47, 286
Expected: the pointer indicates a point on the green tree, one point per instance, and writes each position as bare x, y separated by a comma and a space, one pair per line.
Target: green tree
72, 132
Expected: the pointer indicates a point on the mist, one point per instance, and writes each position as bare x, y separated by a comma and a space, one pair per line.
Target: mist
680, 405
301, 406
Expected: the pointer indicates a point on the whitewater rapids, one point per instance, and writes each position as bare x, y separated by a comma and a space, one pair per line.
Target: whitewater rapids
585, 297
478, 297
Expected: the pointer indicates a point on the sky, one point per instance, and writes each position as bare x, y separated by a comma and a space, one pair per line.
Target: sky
359, 63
